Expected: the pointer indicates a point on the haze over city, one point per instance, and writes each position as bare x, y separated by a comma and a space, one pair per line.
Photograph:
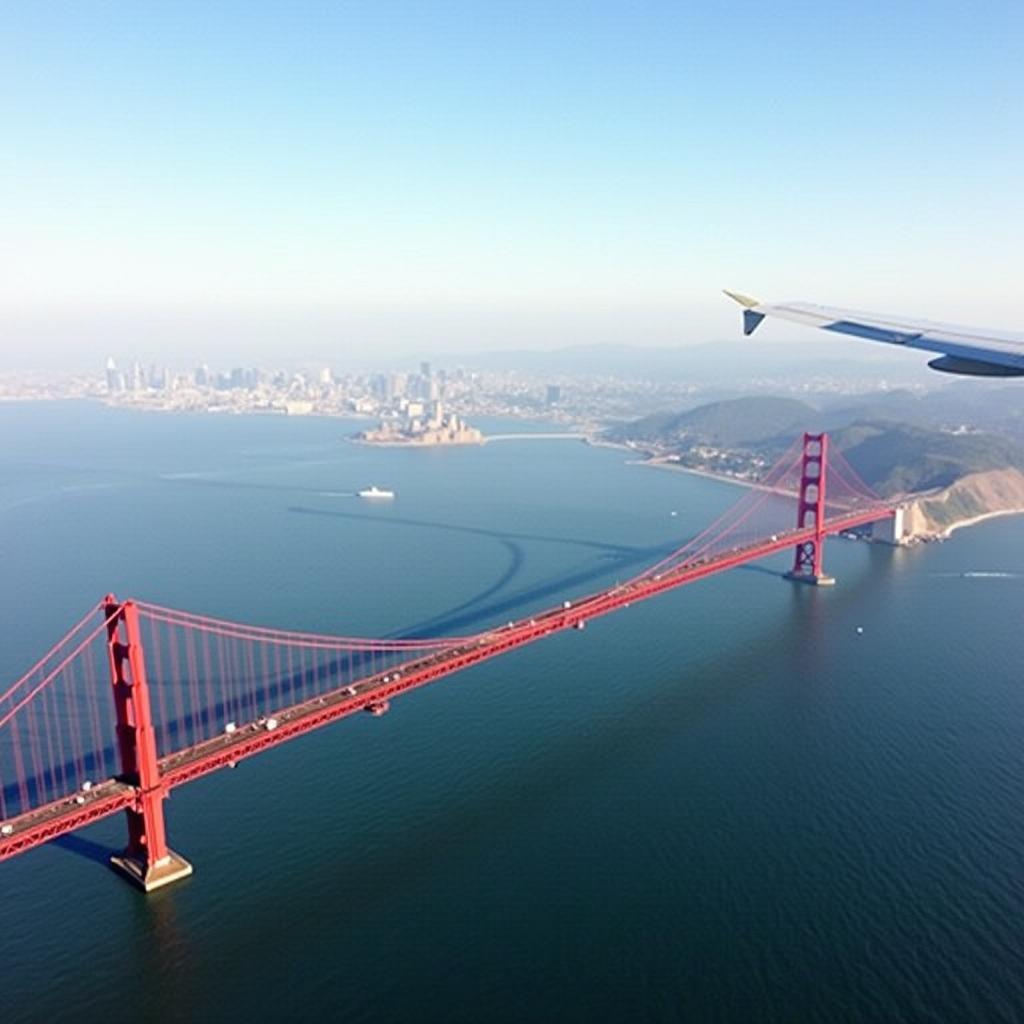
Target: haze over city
246, 182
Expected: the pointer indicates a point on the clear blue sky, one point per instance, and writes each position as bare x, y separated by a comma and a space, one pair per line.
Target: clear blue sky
315, 177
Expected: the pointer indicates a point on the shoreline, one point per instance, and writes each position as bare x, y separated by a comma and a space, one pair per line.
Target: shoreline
706, 473
973, 521
414, 444
914, 538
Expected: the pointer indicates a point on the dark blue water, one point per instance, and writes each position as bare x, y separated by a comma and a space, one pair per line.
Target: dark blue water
723, 804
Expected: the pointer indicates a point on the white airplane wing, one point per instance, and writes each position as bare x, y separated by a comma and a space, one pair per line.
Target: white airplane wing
968, 350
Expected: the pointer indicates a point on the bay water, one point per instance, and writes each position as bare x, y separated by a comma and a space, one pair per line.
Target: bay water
746, 800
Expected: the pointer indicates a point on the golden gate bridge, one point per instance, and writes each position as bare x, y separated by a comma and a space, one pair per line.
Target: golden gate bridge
139, 699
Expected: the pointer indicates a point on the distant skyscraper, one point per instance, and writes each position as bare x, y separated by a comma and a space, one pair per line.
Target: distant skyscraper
554, 394
425, 370
115, 382
202, 376
159, 377
136, 378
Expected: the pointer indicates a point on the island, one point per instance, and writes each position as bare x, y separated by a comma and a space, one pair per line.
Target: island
422, 425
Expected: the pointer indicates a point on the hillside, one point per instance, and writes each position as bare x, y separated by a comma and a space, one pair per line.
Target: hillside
974, 497
897, 458
738, 422
894, 458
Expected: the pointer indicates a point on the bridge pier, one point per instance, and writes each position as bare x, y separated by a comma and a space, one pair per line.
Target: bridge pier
809, 559
892, 530
147, 861
149, 876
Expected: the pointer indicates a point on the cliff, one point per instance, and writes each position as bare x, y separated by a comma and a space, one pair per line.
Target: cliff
972, 498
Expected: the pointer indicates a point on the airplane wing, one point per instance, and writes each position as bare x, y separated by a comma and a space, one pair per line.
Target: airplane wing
973, 351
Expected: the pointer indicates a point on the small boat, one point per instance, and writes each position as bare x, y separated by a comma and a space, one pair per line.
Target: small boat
378, 707
375, 492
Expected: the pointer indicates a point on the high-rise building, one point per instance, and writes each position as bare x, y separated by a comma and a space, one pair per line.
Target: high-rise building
202, 376
160, 377
115, 379
554, 395
425, 370
135, 379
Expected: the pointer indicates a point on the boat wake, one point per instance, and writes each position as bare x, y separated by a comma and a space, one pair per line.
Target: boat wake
982, 575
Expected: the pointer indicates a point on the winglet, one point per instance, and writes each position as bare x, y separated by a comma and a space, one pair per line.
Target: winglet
743, 300
751, 319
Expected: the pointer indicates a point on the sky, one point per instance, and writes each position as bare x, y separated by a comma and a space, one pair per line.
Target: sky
247, 180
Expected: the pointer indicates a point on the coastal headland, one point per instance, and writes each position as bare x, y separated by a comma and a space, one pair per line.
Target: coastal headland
945, 479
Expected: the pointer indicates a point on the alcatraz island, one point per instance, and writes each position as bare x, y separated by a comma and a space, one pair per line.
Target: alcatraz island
421, 424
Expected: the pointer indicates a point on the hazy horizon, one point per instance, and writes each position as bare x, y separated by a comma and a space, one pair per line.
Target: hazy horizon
245, 183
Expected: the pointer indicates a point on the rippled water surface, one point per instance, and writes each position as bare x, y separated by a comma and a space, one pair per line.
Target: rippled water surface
723, 804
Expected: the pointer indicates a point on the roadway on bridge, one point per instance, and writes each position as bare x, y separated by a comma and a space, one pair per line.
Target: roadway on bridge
246, 739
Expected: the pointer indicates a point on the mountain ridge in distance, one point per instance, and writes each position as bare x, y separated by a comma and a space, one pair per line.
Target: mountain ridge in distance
700, 362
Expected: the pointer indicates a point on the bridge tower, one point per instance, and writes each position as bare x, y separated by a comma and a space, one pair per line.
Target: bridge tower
147, 861
808, 563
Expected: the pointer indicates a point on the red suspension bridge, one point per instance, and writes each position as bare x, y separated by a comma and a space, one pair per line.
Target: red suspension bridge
187, 694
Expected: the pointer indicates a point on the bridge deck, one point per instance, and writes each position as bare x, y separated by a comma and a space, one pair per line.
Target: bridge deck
45, 823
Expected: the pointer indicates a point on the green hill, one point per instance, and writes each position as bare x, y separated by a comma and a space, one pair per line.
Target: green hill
891, 456
736, 423
896, 458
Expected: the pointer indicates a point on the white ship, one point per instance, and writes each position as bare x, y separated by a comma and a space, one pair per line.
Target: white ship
375, 492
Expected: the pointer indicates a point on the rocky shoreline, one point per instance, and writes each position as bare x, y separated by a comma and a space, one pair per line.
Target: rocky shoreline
927, 517
972, 499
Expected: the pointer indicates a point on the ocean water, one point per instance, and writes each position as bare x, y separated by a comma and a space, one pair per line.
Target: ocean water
727, 803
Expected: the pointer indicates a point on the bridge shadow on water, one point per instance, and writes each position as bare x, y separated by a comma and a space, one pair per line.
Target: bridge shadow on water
276, 692
74, 843
477, 611
763, 569
456, 528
